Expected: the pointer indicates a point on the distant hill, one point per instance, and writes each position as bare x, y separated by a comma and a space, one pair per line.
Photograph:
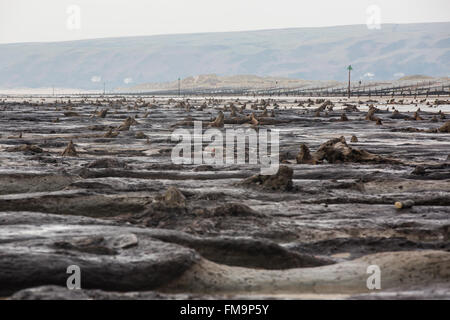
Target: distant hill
301, 53
211, 81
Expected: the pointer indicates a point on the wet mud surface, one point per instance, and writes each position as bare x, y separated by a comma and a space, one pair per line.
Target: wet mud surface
91, 182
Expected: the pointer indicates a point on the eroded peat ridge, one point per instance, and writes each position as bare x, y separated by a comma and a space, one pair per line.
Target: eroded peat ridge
90, 182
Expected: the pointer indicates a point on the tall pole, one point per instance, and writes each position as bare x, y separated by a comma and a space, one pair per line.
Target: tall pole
104, 87
349, 71
179, 87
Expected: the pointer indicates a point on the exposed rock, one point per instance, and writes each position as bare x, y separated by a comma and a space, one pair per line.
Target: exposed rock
354, 139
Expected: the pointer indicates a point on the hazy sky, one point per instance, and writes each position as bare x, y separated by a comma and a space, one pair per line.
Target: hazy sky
57, 20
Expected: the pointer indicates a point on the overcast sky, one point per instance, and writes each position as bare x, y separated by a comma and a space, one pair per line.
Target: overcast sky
58, 20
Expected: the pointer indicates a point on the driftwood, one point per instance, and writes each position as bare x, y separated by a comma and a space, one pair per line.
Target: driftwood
417, 117
336, 151
25, 148
304, 156
111, 134
218, 123
140, 135
404, 204
281, 181
371, 114
125, 126
102, 114
253, 120
70, 150
174, 198
445, 127
71, 114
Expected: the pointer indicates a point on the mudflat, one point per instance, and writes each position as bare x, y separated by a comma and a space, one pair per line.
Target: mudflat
90, 181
